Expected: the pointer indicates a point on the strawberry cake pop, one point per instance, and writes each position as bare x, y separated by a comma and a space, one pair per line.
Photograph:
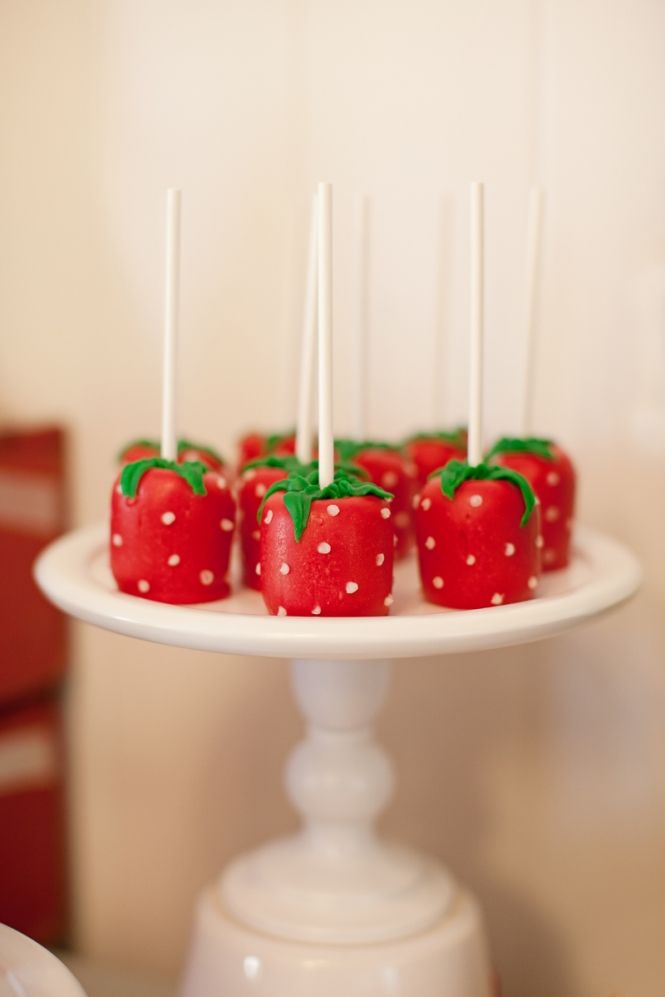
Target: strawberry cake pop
255, 480
252, 446
429, 451
385, 466
477, 530
326, 551
551, 474
171, 530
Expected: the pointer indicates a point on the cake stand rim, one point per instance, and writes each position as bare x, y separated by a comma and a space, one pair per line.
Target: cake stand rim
63, 574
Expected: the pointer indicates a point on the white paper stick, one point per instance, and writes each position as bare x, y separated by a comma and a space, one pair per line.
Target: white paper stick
325, 319
475, 444
171, 302
305, 426
361, 317
533, 244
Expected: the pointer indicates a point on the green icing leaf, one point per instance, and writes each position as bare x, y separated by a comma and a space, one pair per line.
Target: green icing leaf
191, 471
303, 488
288, 462
457, 471
348, 449
526, 444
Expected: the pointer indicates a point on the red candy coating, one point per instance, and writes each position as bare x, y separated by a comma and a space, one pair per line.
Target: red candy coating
472, 550
553, 481
170, 544
254, 483
342, 565
428, 453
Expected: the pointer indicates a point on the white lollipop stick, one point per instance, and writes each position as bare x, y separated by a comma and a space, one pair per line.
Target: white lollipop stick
324, 262
475, 444
533, 243
304, 428
171, 295
362, 343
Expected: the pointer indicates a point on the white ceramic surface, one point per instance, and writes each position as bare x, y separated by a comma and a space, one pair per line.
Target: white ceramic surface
449, 960
28, 970
73, 572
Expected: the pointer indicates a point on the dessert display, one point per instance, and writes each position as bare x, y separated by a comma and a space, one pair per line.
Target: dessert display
171, 531
187, 451
477, 530
551, 474
385, 466
326, 551
430, 451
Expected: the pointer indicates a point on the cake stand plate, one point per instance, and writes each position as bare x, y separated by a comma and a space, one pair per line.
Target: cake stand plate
74, 574
335, 909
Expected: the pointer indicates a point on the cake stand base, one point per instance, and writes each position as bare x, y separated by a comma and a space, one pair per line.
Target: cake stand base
229, 960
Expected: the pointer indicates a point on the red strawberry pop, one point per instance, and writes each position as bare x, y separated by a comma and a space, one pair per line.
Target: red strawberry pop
551, 474
477, 530
326, 551
255, 481
171, 531
386, 467
252, 446
187, 451
430, 451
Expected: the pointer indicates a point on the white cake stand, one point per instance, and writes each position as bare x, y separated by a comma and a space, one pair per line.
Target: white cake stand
335, 911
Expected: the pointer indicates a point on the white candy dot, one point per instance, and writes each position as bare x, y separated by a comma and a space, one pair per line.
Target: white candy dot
549, 556
476, 500
496, 599
389, 479
323, 547
552, 514
533, 581
402, 519
226, 525
553, 479
260, 490
257, 569
316, 611
388, 601
430, 543
256, 534
249, 474
267, 519
385, 513
281, 611
351, 587
380, 558
118, 490
207, 577
437, 582
143, 585
426, 504
116, 540
470, 560
284, 568
173, 561
332, 510
539, 541
221, 481
509, 549
168, 518
416, 501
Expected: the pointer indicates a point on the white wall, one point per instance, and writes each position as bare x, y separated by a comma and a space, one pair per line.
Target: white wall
537, 773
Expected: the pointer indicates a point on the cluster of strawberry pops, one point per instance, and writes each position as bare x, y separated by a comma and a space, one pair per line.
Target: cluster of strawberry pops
318, 537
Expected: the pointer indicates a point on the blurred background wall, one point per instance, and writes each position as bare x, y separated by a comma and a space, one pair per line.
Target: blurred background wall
537, 774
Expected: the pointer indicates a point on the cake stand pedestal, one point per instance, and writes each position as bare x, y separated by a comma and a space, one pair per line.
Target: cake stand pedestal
335, 911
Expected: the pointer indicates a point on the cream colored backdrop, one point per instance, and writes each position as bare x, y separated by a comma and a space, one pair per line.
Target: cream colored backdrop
537, 774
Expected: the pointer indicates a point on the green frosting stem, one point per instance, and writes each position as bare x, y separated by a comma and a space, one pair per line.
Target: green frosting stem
191, 471
303, 489
523, 444
457, 471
